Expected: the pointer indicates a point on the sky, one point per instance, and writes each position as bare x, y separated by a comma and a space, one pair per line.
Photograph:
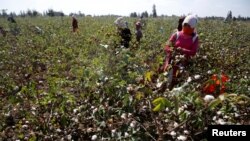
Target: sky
124, 7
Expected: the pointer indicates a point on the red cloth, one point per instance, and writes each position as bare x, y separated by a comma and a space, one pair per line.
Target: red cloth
216, 82
138, 26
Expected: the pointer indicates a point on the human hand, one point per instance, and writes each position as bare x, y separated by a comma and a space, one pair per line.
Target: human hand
178, 49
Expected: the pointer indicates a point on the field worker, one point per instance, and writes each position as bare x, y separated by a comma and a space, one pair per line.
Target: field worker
37, 30
180, 21
2, 31
14, 29
74, 23
138, 32
123, 31
185, 41
11, 19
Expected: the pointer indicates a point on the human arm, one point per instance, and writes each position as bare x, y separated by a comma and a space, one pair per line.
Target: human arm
171, 43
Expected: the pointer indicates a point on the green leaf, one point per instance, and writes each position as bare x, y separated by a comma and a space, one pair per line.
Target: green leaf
213, 104
184, 115
33, 138
176, 105
148, 76
64, 121
198, 101
139, 95
160, 103
126, 99
157, 108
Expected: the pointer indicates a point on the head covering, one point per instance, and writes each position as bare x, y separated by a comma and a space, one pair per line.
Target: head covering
74, 16
120, 22
138, 25
126, 24
191, 20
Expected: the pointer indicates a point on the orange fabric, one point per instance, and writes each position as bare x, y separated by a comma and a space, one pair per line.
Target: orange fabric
187, 30
217, 83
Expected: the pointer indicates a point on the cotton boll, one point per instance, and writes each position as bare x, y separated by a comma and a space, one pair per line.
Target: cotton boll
133, 124
158, 85
94, 137
222, 97
186, 132
25, 126
89, 130
236, 115
113, 132
106, 78
177, 91
189, 79
124, 116
181, 138
204, 57
95, 110
126, 134
176, 124
167, 109
219, 113
105, 46
209, 72
69, 137
129, 115
197, 76
214, 118
58, 130
130, 87
165, 73
173, 133
208, 98
225, 117
75, 111
221, 121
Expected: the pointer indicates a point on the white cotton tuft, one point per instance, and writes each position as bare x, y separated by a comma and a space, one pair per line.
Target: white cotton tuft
197, 76
220, 122
208, 98
94, 137
181, 138
173, 133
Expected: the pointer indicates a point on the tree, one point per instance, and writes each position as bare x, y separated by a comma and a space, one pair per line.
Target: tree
154, 11
50, 13
22, 14
81, 14
234, 18
229, 16
4, 13
13, 14
133, 15
35, 13
144, 14
29, 12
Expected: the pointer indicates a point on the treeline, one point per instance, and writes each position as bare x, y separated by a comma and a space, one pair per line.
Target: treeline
145, 14
31, 13
239, 18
